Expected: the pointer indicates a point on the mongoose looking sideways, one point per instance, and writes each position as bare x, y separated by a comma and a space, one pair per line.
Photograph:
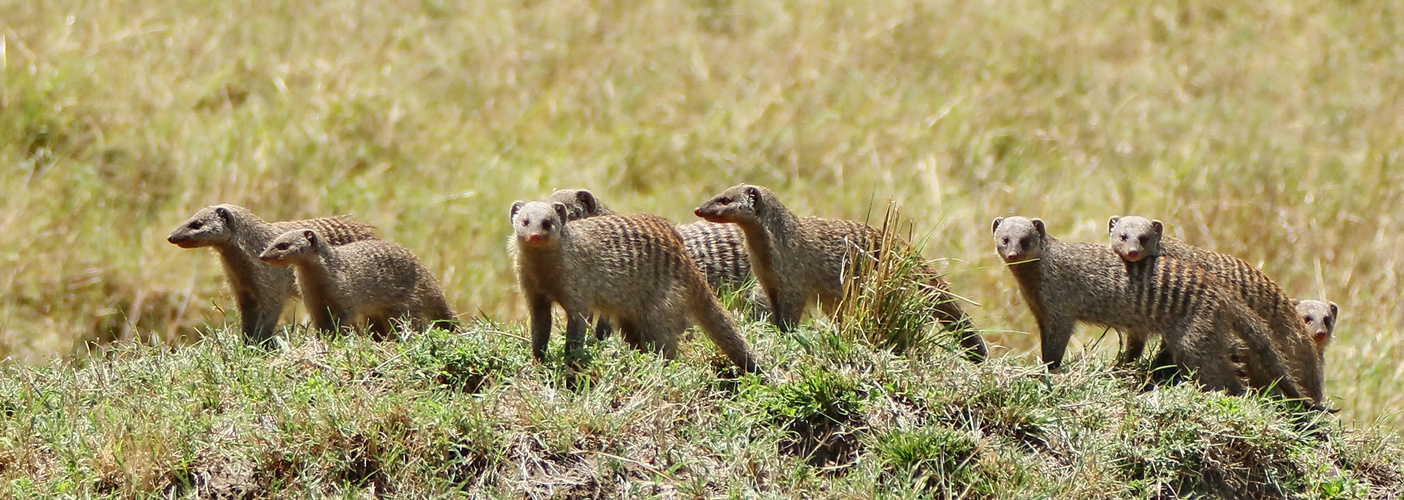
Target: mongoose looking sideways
260, 290
365, 281
1320, 318
1067, 282
718, 249
630, 268
798, 259
1137, 238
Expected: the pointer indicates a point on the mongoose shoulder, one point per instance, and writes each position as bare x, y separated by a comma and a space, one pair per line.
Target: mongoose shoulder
260, 290
798, 259
630, 268
1320, 318
1067, 282
349, 285
1135, 238
718, 249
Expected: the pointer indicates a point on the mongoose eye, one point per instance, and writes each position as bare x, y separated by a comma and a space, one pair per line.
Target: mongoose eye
1123, 237
1306, 318
283, 246
197, 225
1005, 241
526, 222
1142, 239
1330, 322
546, 225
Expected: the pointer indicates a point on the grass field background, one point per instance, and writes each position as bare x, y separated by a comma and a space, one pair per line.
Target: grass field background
1268, 131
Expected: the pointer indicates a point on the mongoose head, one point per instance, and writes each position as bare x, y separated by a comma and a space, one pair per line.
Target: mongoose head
579, 203
738, 203
538, 224
1320, 318
290, 247
1135, 238
1018, 239
212, 225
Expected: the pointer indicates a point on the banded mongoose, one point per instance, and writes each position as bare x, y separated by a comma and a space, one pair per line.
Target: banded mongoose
1320, 318
368, 281
798, 259
1136, 238
260, 290
718, 249
629, 268
1067, 282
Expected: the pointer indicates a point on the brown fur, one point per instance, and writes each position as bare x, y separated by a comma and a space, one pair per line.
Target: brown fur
798, 259
1064, 283
260, 290
630, 268
365, 281
1136, 238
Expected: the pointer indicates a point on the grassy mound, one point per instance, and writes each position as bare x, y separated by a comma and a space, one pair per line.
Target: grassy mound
468, 413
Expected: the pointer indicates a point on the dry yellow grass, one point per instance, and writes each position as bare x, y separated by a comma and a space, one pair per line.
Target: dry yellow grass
1268, 131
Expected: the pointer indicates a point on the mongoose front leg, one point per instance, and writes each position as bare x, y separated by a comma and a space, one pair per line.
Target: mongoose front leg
540, 327
785, 312
1135, 345
1053, 336
576, 321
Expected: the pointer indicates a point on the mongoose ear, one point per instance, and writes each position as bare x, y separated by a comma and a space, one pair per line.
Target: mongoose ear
1038, 224
1334, 310
1295, 302
1157, 226
995, 227
516, 207
587, 199
311, 236
1111, 223
755, 194
222, 212
561, 211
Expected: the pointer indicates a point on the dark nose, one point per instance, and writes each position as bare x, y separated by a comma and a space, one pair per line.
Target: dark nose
697, 212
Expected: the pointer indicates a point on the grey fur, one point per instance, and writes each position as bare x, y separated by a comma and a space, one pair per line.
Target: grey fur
798, 259
1067, 282
260, 290
1135, 238
630, 268
369, 281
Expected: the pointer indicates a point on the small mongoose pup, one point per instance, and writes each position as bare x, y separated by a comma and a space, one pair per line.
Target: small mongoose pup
1320, 318
1067, 282
260, 290
798, 259
349, 285
1136, 238
630, 268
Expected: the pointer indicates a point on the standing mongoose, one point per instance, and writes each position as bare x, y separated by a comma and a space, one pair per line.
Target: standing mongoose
1320, 318
798, 259
371, 281
629, 268
1136, 238
260, 290
1067, 282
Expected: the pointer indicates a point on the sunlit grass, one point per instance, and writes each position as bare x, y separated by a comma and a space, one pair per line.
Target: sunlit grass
1269, 131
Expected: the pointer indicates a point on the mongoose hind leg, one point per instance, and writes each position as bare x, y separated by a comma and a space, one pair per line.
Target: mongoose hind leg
1198, 349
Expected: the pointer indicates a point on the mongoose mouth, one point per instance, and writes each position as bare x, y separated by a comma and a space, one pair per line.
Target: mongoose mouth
184, 242
1132, 255
710, 216
274, 261
533, 240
